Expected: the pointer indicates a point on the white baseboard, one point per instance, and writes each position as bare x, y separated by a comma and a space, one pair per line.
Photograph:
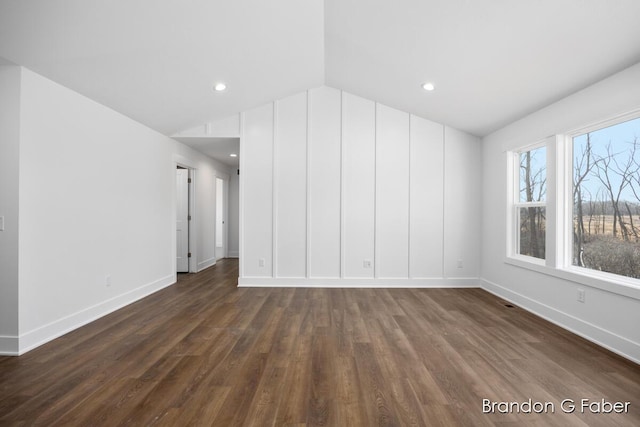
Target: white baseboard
331, 282
233, 254
36, 337
9, 346
206, 263
617, 344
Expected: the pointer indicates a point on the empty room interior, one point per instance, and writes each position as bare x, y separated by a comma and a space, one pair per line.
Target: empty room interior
320, 212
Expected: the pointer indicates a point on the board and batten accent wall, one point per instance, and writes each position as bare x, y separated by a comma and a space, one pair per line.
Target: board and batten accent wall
337, 190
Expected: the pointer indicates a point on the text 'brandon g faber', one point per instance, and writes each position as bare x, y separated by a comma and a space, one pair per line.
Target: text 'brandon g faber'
567, 406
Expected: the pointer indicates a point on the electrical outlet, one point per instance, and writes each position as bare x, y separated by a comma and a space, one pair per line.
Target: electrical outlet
366, 263
580, 295
460, 264
107, 280
261, 262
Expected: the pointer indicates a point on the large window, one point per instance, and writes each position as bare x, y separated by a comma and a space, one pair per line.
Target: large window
606, 199
530, 203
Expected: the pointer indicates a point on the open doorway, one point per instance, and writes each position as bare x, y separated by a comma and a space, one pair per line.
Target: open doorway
183, 219
221, 218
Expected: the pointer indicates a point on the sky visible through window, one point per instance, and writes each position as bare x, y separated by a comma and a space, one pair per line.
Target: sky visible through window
621, 138
533, 163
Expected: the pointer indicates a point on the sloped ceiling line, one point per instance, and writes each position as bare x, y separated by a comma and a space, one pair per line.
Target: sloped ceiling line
156, 61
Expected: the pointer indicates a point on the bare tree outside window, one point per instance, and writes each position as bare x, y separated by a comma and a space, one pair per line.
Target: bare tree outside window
531, 208
606, 199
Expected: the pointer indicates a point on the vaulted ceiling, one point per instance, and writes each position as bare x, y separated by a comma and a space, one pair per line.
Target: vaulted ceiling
492, 61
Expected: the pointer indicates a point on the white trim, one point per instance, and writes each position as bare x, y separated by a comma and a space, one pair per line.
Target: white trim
601, 124
409, 201
555, 202
530, 204
57, 328
583, 276
274, 191
613, 342
225, 213
184, 162
9, 345
193, 224
233, 254
511, 240
289, 282
524, 259
568, 186
565, 202
343, 213
530, 147
513, 197
558, 261
444, 204
206, 264
225, 218
376, 248
241, 200
307, 258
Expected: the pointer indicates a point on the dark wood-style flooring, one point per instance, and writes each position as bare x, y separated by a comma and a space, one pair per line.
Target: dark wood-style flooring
204, 352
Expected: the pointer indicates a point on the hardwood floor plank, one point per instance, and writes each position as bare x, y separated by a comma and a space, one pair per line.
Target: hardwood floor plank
206, 353
374, 394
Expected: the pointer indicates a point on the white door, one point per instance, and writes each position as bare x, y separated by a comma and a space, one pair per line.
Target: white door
182, 220
220, 220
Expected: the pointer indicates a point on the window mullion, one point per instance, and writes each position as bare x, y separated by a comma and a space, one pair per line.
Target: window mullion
555, 201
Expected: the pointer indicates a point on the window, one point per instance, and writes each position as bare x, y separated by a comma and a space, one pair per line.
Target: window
530, 203
574, 205
606, 199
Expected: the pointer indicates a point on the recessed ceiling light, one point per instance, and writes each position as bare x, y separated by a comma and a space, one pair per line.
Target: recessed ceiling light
233, 155
428, 86
220, 87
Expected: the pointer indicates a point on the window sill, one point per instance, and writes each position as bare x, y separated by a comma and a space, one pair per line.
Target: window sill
595, 279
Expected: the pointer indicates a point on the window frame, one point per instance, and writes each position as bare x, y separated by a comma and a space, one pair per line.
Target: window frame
513, 246
567, 239
559, 213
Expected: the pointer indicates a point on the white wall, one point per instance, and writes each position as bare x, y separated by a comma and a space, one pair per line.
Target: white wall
234, 214
359, 186
9, 161
95, 208
462, 204
206, 170
324, 191
256, 193
611, 314
426, 198
392, 193
94, 202
337, 190
290, 186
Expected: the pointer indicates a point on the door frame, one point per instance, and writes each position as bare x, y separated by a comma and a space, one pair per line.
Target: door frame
225, 215
193, 223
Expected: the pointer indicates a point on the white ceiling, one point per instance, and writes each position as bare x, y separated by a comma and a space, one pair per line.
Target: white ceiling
219, 148
157, 60
493, 61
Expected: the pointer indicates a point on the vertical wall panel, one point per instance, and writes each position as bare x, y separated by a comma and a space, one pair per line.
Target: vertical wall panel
338, 187
324, 182
462, 204
256, 175
10, 85
426, 187
291, 186
358, 172
392, 193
